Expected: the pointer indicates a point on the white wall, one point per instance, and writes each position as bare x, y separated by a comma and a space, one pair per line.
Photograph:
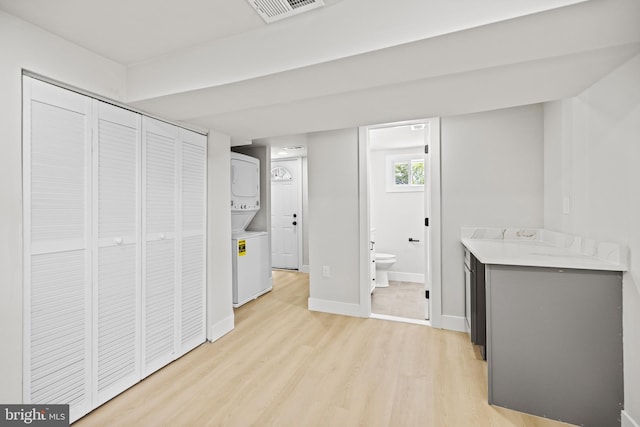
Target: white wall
594, 138
396, 216
334, 221
492, 175
25, 46
220, 318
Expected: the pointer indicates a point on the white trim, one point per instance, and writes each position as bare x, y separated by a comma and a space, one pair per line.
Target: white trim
364, 243
26, 242
304, 268
454, 323
432, 211
221, 328
334, 307
433, 258
399, 319
401, 276
627, 421
302, 219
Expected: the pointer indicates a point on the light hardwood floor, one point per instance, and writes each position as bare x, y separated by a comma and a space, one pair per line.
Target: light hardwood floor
284, 365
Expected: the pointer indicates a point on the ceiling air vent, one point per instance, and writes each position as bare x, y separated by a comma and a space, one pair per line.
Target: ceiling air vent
275, 10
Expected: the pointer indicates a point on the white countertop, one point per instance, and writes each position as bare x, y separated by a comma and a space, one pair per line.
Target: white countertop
542, 248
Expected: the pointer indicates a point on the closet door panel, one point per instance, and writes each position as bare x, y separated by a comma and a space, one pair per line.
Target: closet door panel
58, 177
58, 341
57, 272
159, 303
160, 196
117, 139
193, 242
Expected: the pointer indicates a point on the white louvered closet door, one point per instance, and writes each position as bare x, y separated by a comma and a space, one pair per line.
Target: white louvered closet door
57, 270
193, 183
160, 251
117, 250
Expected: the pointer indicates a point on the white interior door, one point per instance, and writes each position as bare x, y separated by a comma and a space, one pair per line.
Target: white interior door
193, 172
432, 222
286, 215
159, 274
57, 247
116, 260
428, 193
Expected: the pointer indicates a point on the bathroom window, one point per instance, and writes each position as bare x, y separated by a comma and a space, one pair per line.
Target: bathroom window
405, 173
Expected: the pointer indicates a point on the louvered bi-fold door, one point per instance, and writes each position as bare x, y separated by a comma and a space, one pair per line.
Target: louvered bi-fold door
193, 182
57, 231
117, 252
159, 216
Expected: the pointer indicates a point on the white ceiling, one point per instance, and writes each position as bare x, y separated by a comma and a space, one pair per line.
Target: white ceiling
215, 64
129, 31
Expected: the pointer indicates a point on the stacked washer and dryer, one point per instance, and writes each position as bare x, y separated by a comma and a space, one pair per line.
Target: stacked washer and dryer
250, 249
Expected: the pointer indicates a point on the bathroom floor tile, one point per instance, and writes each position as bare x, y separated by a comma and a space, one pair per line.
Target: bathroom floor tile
402, 299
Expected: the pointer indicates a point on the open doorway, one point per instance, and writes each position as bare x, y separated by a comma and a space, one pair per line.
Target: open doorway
400, 199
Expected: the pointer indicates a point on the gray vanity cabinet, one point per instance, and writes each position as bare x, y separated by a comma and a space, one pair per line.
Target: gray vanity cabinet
478, 306
554, 340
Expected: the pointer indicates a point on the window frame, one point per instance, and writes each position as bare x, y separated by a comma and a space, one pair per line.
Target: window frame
391, 161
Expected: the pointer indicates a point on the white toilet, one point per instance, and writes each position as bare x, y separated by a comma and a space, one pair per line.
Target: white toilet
383, 263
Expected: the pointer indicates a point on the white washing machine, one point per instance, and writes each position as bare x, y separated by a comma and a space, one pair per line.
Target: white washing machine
250, 249
251, 272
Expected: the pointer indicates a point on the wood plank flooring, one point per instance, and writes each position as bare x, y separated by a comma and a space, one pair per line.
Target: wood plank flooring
284, 365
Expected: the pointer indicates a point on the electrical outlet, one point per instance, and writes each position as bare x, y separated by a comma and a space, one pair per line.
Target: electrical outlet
326, 271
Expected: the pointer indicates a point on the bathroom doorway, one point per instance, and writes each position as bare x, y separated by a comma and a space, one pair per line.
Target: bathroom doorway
399, 173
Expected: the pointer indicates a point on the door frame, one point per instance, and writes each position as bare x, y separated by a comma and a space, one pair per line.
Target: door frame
301, 216
432, 234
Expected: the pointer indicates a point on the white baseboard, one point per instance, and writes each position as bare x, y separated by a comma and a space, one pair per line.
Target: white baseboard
627, 421
304, 269
400, 276
454, 323
334, 307
222, 328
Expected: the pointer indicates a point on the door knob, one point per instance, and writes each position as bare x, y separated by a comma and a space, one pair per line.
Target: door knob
295, 222
295, 216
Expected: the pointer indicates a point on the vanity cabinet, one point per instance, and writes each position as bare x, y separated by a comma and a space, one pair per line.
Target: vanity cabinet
546, 307
475, 311
554, 341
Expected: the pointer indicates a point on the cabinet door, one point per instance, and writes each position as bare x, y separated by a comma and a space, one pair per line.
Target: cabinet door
159, 274
57, 273
193, 184
116, 270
